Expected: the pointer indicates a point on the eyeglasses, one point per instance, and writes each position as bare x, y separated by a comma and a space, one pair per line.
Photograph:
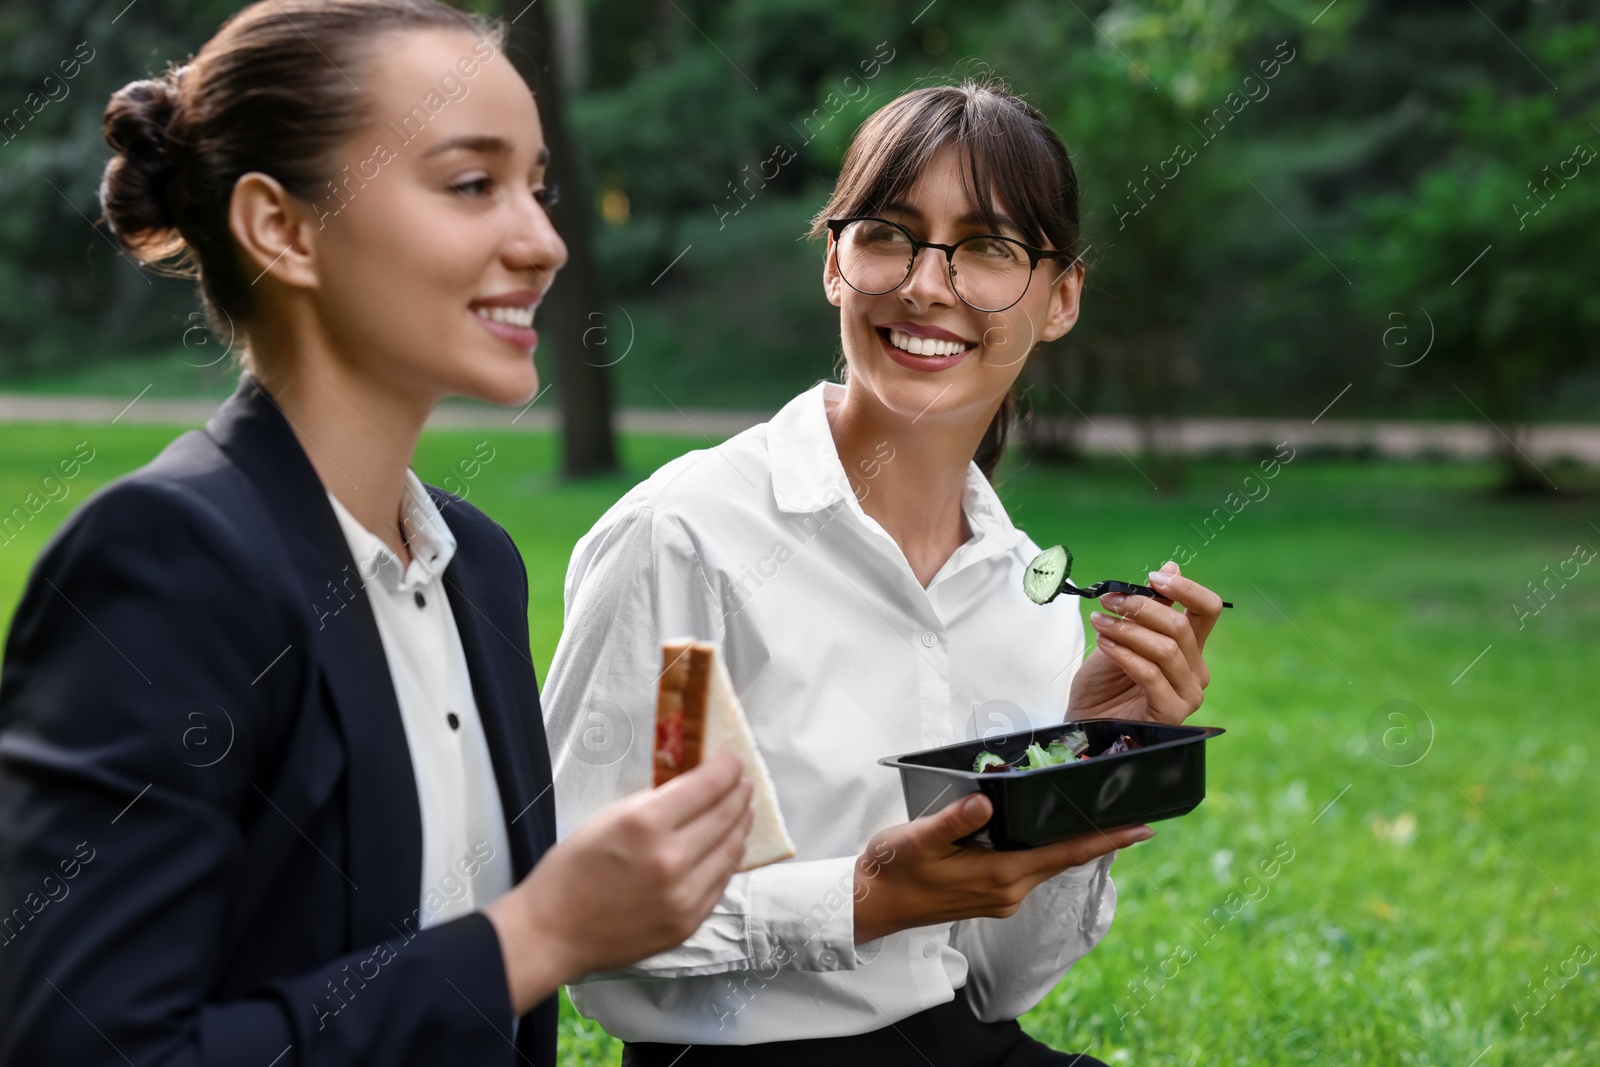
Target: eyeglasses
987, 272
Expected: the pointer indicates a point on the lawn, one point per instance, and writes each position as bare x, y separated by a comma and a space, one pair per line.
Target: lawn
1356, 888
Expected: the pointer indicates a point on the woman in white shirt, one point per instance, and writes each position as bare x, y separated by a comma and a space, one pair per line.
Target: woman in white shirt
864, 582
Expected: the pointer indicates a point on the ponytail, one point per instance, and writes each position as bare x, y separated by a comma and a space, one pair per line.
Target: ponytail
993, 445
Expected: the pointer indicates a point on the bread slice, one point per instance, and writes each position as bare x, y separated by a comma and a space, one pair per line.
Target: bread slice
699, 715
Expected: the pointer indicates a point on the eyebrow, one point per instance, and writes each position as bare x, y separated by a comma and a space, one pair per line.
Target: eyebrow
486, 143
971, 218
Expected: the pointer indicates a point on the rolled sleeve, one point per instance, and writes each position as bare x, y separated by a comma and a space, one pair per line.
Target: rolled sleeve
802, 914
721, 943
794, 916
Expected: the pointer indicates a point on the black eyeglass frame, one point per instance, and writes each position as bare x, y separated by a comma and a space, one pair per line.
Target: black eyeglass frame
836, 228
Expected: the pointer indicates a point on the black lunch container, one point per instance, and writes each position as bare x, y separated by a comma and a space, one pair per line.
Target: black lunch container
1163, 779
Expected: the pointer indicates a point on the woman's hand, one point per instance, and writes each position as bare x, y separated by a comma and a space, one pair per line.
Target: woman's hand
638, 877
1147, 664
915, 874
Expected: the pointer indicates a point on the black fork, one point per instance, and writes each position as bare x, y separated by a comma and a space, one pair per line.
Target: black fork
1100, 589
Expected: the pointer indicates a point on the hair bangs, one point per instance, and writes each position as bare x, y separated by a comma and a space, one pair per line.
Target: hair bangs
1012, 165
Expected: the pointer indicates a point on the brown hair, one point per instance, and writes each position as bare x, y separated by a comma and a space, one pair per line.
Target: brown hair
273, 91
1011, 154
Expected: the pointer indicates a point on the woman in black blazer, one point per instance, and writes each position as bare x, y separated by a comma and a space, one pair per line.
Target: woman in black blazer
211, 839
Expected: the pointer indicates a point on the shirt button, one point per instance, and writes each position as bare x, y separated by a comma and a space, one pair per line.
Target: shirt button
420, 599
929, 639
454, 720
930, 950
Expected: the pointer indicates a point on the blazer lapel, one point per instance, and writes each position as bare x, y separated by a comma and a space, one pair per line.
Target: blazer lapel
383, 832
486, 648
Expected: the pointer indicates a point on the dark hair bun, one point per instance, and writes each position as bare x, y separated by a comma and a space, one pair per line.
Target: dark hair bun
267, 94
136, 189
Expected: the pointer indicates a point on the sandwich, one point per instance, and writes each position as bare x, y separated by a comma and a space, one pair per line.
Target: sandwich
699, 715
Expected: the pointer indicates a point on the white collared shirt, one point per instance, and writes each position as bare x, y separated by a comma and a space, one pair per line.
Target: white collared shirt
466, 857
840, 656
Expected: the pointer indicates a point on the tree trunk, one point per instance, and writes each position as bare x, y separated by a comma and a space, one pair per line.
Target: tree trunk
1519, 475
1509, 408
1054, 427
579, 306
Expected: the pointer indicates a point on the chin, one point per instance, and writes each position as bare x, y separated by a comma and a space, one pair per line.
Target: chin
914, 395
915, 399
505, 380
513, 390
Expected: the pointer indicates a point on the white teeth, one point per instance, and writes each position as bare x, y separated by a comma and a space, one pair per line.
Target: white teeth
522, 317
926, 346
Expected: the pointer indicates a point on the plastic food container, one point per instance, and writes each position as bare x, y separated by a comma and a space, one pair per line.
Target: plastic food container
1162, 780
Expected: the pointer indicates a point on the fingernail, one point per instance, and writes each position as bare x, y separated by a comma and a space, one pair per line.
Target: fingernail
970, 805
1144, 834
1099, 618
1108, 642
1159, 579
1114, 601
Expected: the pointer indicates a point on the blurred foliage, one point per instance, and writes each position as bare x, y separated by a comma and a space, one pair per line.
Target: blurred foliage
1265, 187
1511, 310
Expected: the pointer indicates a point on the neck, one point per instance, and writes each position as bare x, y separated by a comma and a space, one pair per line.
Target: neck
358, 433
909, 474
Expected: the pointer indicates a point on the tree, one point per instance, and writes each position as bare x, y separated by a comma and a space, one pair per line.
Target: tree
1150, 99
576, 316
1492, 251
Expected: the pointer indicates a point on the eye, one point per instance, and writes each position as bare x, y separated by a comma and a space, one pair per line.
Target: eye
549, 196
475, 187
993, 248
878, 233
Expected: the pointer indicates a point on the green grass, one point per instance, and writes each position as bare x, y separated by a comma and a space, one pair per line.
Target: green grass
1416, 909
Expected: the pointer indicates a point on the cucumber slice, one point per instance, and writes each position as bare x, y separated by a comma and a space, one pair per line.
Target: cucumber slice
987, 759
1047, 575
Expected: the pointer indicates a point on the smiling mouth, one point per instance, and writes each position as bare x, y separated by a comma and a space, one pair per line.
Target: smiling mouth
510, 316
924, 346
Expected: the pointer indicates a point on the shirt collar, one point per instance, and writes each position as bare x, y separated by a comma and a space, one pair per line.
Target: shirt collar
807, 474
431, 542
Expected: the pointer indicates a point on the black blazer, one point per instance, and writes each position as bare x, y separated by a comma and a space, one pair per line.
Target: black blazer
210, 845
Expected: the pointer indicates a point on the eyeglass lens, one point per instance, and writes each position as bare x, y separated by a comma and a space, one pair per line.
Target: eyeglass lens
988, 273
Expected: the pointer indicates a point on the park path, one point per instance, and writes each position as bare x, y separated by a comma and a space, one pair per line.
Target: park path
1098, 434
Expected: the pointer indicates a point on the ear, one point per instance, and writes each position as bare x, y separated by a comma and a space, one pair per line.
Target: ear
832, 283
274, 230
1065, 293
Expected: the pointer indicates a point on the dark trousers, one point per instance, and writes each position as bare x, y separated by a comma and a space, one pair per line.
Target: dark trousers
948, 1035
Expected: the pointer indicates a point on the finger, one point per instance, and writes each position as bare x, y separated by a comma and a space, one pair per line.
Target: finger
704, 882
693, 792
704, 834
940, 831
1151, 613
708, 878
1051, 860
1165, 637
1159, 649
1166, 705
1201, 605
